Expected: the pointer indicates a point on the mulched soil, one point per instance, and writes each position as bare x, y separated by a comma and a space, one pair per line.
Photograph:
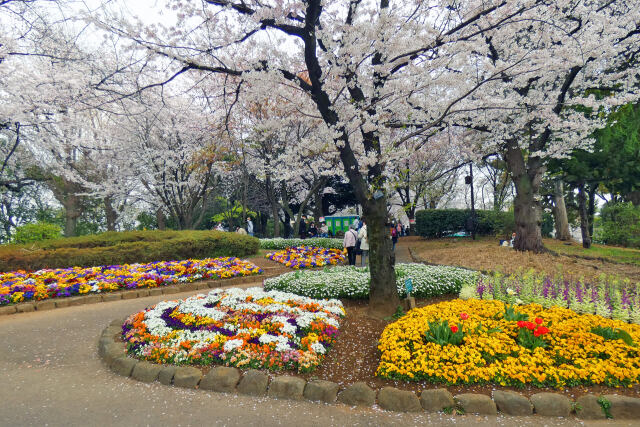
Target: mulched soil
355, 358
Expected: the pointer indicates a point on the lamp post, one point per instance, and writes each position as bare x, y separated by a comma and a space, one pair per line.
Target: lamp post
469, 180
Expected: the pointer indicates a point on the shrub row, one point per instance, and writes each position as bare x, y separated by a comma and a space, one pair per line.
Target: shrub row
125, 248
318, 242
441, 222
109, 238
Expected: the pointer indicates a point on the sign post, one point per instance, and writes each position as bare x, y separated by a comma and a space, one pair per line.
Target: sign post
409, 301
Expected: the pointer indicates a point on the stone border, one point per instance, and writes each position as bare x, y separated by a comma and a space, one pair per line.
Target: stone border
94, 298
257, 383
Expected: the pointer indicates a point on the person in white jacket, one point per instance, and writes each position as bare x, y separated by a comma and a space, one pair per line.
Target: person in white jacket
364, 243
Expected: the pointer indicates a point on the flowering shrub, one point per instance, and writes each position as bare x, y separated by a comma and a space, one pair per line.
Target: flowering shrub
18, 286
606, 297
235, 327
557, 349
307, 257
318, 242
353, 282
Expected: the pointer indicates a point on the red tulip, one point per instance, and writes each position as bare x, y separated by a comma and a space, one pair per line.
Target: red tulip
464, 316
454, 329
538, 321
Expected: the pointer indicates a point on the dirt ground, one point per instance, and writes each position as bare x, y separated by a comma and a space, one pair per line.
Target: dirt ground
487, 255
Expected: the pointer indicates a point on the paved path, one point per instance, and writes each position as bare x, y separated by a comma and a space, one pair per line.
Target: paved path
51, 375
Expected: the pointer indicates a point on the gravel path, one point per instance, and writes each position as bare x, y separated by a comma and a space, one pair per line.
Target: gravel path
52, 376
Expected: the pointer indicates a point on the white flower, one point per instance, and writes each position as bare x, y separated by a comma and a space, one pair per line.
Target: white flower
318, 348
232, 345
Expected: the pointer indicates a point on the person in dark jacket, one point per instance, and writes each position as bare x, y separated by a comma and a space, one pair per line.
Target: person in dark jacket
303, 228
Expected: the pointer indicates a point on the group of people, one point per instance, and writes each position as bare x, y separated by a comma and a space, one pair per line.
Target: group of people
312, 230
356, 241
239, 230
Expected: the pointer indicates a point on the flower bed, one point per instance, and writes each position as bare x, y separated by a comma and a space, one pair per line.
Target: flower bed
307, 257
18, 286
235, 327
318, 242
353, 282
490, 342
606, 297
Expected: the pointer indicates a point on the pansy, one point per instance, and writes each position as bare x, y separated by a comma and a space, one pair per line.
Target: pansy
63, 282
307, 257
236, 327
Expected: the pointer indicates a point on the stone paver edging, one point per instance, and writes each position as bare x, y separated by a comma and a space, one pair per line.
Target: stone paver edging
256, 383
53, 303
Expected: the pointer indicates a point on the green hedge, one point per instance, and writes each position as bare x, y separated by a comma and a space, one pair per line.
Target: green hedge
440, 222
125, 248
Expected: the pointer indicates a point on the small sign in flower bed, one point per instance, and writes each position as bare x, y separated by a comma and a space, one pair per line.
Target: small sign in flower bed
479, 342
19, 286
307, 257
235, 327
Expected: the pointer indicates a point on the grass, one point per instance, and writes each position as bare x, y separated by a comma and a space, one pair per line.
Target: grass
608, 253
485, 254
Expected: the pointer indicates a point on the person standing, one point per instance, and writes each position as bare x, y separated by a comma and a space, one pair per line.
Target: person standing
349, 242
394, 236
364, 243
249, 226
302, 230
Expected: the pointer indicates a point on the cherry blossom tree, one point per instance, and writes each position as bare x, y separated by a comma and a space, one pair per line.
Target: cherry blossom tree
367, 68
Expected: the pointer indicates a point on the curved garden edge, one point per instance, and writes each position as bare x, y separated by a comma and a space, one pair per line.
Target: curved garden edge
53, 303
258, 383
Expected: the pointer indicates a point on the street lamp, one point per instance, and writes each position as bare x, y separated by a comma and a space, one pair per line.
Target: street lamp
469, 181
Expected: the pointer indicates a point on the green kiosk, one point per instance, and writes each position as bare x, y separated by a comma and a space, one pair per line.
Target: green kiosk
340, 223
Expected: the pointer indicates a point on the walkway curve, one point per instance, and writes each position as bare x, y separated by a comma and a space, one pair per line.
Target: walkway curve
52, 375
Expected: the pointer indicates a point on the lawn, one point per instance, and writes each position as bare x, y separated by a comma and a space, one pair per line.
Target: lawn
607, 253
485, 254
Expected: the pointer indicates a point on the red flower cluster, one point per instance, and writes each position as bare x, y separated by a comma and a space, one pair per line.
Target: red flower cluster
537, 331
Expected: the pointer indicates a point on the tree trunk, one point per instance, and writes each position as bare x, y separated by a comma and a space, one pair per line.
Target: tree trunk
560, 212
527, 210
263, 223
383, 294
160, 219
110, 214
275, 205
317, 204
633, 197
584, 216
72, 213
592, 206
